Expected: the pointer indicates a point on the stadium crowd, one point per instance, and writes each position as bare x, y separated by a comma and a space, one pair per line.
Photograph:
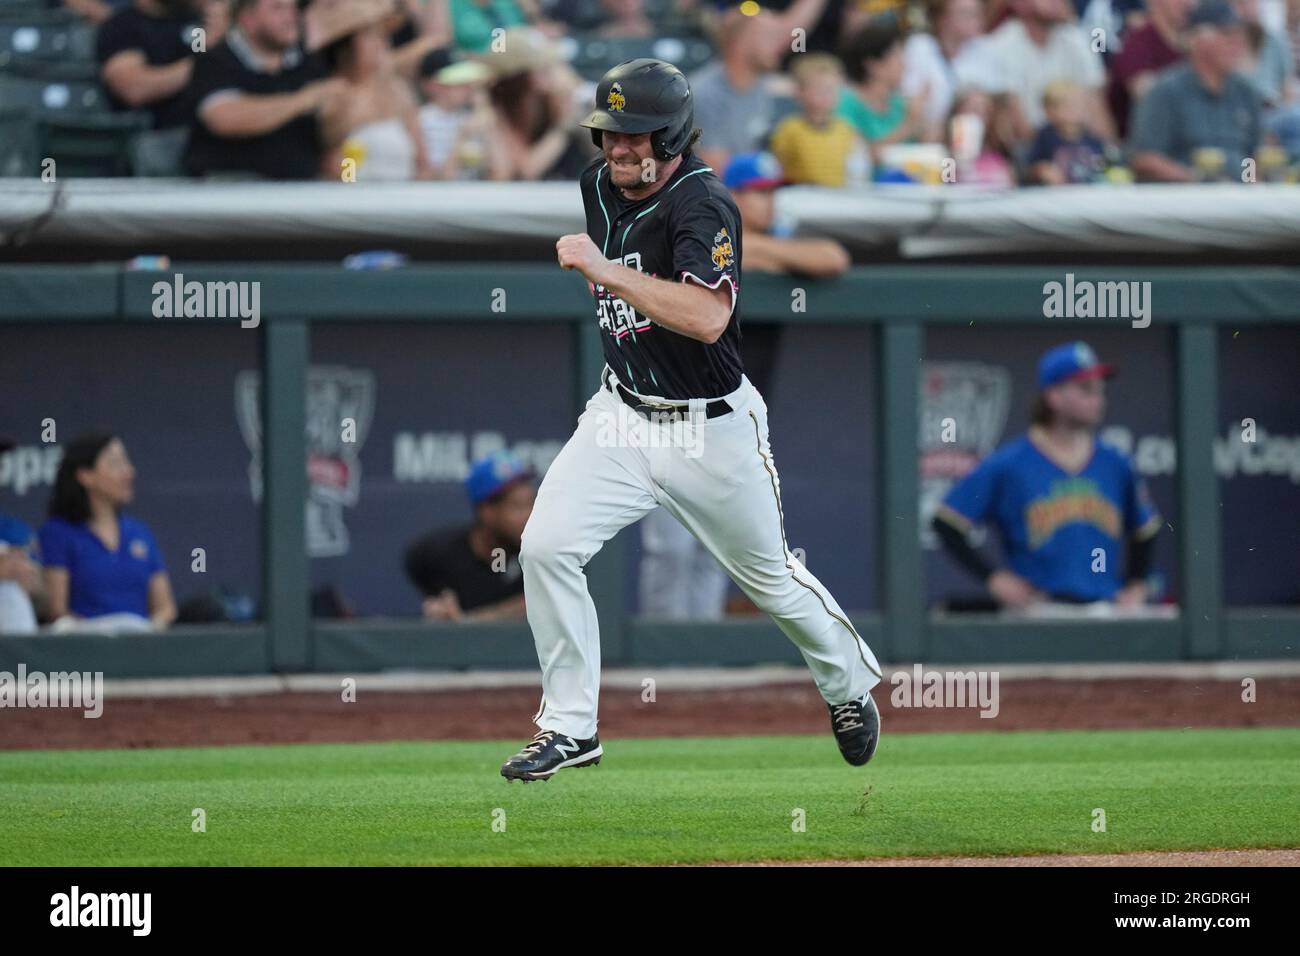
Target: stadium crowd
841, 92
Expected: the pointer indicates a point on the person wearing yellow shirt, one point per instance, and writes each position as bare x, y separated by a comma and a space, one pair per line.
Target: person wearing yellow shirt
815, 146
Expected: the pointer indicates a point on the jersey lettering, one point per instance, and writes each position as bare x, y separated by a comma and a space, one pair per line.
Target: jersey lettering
615, 315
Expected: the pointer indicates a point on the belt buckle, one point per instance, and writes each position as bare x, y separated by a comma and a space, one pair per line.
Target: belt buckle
672, 412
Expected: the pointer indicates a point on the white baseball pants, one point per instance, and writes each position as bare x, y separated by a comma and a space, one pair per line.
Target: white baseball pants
716, 476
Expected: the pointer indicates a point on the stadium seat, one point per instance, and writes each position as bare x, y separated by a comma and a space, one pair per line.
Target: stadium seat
12, 9
584, 15
596, 54
93, 144
47, 37
17, 143
62, 70
36, 94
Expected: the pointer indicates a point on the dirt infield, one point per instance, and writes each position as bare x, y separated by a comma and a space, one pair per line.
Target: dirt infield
504, 714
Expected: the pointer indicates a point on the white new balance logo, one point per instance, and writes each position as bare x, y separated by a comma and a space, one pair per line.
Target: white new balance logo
570, 748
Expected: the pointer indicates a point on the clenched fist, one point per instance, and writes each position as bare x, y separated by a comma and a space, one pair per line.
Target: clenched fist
577, 251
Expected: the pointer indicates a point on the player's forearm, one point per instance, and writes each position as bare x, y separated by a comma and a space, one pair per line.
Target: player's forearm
685, 307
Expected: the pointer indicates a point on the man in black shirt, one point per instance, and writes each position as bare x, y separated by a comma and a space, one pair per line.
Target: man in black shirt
675, 423
257, 96
471, 572
146, 55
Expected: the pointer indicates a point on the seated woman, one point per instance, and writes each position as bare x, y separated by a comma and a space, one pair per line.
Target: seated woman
99, 561
873, 102
377, 123
536, 132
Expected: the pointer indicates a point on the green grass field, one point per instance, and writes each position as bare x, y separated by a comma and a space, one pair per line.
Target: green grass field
654, 801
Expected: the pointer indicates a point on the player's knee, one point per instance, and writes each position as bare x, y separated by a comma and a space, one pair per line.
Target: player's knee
545, 547
774, 590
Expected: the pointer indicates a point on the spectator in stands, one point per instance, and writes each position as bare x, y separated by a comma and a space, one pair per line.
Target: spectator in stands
1200, 107
473, 21
816, 146
939, 63
99, 560
1063, 503
20, 576
625, 19
258, 96
375, 124
96, 11
1064, 151
768, 240
471, 572
146, 58
1291, 27
980, 134
821, 22
875, 104
1268, 64
423, 27
535, 100
1037, 46
678, 579
735, 96
1148, 49
1284, 124
1115, 18
456, 117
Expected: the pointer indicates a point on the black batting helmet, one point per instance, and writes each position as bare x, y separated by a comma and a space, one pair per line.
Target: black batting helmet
645, 96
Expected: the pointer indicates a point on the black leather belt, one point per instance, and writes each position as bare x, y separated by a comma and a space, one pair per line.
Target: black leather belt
713, 409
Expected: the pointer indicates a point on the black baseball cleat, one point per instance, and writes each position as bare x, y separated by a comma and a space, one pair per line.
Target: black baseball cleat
548, 752
857, 728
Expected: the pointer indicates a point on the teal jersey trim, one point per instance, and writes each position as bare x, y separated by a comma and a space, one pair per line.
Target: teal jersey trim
702, 169
601, 199
643, 212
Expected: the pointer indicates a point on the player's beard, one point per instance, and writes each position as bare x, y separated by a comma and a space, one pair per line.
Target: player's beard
632, 176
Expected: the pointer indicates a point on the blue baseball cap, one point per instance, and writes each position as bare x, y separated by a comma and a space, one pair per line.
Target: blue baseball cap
759, 170
1073, 360
494, 474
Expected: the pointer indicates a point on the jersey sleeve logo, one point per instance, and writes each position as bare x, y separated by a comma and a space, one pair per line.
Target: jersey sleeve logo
722, 254
616, 101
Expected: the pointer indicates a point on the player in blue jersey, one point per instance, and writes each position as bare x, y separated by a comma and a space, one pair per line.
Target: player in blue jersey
1075, 519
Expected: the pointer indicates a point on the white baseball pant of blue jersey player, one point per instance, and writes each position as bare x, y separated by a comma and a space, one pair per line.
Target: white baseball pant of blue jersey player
716, 476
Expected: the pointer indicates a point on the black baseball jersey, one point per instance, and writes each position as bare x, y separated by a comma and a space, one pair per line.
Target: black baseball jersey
690, 227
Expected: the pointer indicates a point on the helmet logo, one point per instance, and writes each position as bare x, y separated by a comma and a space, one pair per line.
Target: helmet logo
616, 101
722, 253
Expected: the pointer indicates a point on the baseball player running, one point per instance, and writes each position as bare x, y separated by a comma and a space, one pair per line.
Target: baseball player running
675, 422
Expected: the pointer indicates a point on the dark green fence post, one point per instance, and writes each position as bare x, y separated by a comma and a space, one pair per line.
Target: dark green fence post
899, 554
285, 573
1199, 552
